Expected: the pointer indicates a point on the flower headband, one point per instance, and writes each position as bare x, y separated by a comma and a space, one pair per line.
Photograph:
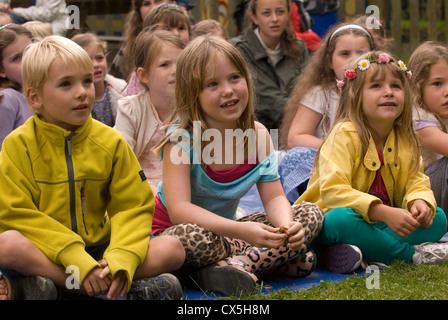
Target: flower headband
365, 64
7, 25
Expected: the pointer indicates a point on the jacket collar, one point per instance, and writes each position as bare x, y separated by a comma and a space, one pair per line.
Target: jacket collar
57, 135
254, 42
372, 160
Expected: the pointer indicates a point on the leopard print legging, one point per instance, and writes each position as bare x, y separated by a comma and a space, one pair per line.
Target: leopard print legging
204, 247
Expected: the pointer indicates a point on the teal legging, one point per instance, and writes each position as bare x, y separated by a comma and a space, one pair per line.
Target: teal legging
376, 241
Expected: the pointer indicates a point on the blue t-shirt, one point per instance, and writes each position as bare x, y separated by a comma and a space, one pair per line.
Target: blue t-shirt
220, 198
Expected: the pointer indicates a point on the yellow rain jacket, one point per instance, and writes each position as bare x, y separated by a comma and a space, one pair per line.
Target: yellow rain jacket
67, 190
345, 175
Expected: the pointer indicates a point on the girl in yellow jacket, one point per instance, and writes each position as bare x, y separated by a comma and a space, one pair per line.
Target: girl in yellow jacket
368, 175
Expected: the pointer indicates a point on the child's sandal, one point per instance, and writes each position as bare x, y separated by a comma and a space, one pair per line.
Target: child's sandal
9, 287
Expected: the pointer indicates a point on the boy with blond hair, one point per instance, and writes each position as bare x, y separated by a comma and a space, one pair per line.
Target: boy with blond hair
73, 194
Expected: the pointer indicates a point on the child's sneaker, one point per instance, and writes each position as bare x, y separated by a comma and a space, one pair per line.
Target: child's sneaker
340, 258
163, 287
228, 280
34, 288
430, 252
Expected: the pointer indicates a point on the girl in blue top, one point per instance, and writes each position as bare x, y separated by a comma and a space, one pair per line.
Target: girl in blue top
211, 157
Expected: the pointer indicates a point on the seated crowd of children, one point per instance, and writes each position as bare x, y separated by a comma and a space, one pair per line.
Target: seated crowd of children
123, 181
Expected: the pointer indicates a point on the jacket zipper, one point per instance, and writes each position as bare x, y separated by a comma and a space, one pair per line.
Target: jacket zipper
71, 180
83, 206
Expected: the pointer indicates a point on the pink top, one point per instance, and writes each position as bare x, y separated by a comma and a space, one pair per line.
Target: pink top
378, 188
229, 175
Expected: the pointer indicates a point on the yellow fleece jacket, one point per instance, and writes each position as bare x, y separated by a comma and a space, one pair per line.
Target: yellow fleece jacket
345, 175
67, 190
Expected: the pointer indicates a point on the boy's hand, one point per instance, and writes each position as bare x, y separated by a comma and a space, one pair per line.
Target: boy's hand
119, 286
94, 285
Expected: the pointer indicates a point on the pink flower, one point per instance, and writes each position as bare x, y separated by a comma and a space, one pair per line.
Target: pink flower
340, 83
409, 74
383, 58
350, 74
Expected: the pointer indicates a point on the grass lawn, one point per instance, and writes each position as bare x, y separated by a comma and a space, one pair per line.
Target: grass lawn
399, 282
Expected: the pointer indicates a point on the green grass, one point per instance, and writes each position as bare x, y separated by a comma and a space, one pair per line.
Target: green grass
399, 282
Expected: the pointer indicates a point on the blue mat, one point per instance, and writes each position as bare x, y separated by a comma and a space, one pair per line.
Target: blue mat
314, 279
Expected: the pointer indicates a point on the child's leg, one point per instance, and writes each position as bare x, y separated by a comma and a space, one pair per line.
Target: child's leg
308, 214
376, 241
438, 176
237, 274
19, 254
165, 254
203, 247
27, 269
263, 260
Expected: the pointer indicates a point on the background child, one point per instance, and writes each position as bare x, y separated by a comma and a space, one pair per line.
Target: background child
209, 27
275, 54
169, 17
39, 29
52, 11
122, 64
198, 196
368, 176
429, 65
141, 117
73, 193
108, 89
311, 110
13, 106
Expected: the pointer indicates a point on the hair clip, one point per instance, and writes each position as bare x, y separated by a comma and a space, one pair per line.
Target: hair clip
7, 25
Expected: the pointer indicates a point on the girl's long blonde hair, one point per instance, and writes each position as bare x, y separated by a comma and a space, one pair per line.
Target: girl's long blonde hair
422, 59
318, 73
191, 70
350, 104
